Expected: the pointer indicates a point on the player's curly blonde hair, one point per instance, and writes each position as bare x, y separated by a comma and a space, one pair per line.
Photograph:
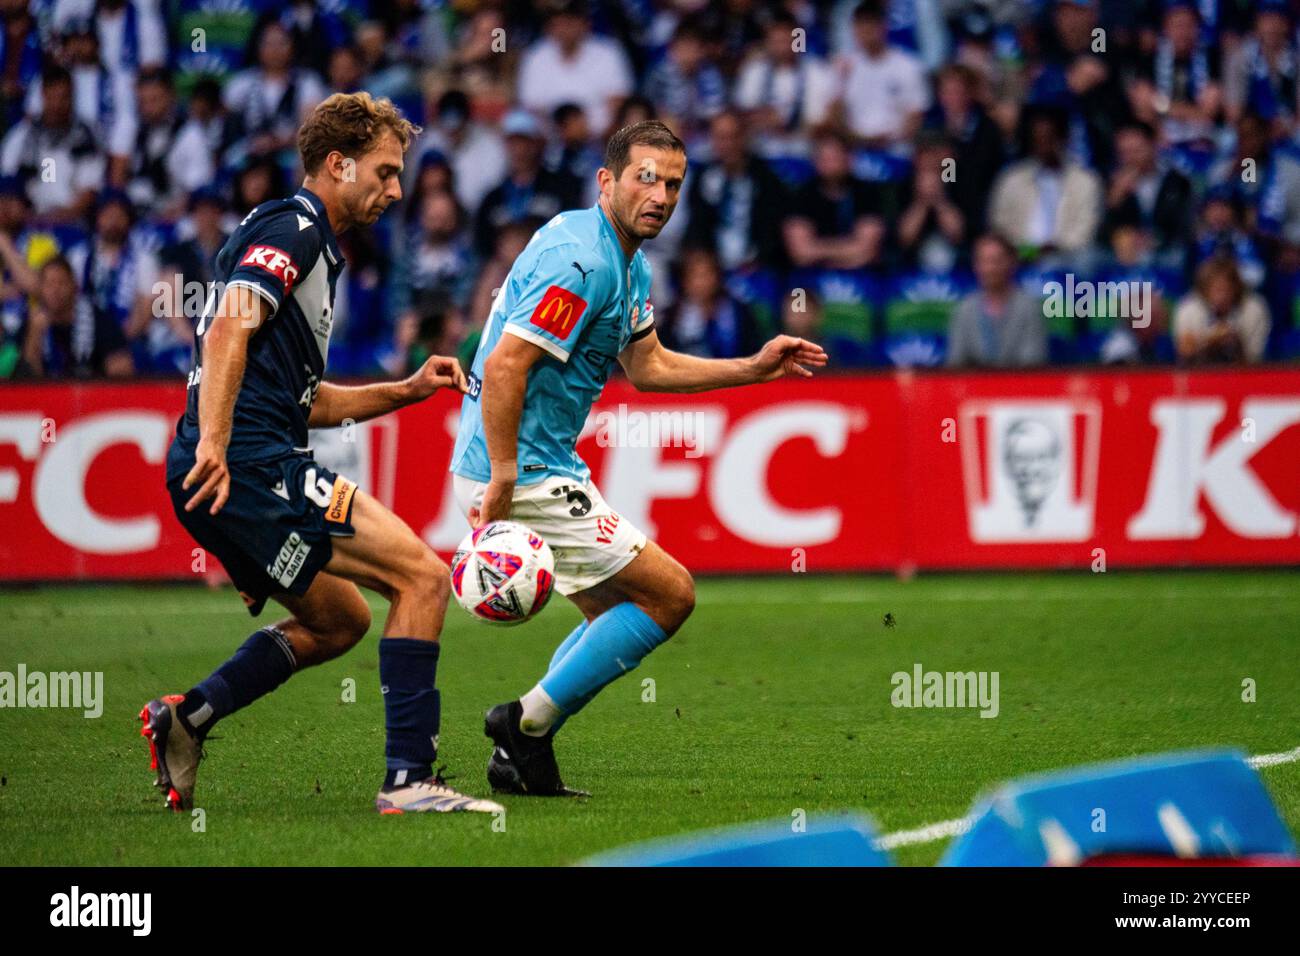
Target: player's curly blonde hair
353, 124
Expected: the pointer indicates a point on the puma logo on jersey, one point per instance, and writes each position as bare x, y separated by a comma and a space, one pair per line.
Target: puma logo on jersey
275, 261
582, 272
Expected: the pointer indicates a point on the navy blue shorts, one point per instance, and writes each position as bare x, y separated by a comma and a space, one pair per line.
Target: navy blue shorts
274, 534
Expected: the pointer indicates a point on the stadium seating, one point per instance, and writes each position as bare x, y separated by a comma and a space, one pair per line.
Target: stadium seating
848, 301
917, 309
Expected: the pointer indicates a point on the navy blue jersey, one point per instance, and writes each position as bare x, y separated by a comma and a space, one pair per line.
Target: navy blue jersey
284, 251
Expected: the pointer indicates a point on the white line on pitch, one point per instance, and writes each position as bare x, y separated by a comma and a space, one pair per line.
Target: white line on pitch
951, 828
1272, 760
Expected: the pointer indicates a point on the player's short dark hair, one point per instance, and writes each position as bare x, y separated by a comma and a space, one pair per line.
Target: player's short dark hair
650, 133
351, 123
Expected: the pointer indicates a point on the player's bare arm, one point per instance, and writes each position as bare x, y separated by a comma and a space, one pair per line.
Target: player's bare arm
337, 404
653, 368
505, 379
225, 353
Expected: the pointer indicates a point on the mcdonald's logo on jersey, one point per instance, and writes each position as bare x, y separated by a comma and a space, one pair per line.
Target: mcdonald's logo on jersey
558, 312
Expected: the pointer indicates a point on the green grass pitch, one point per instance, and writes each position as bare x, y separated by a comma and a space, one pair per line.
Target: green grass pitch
775, 697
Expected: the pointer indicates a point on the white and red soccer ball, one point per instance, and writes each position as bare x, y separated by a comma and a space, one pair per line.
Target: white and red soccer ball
503, 573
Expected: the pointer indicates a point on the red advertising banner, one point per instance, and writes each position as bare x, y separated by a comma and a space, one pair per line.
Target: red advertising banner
896, 471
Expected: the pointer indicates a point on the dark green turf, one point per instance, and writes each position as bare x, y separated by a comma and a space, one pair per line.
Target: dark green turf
775, 697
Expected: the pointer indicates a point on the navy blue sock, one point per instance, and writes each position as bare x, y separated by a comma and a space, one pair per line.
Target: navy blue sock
262, 663
408, 670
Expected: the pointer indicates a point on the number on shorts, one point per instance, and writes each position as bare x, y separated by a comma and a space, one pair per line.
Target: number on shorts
317, 489
576, 497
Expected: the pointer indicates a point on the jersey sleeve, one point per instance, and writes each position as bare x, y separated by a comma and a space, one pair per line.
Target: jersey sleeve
564, 290
279, 249
644, 322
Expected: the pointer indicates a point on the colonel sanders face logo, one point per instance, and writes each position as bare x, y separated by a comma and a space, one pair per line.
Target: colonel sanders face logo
1032, 455
1029, 468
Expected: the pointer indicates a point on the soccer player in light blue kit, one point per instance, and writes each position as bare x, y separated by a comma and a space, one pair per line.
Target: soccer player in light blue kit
577, 300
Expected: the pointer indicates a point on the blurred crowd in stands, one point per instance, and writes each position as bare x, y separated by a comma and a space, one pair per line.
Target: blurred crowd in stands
902, 180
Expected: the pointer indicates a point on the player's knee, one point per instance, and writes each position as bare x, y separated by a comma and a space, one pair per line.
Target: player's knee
354, 624
679, 600
426, 578
342, 631
686, 596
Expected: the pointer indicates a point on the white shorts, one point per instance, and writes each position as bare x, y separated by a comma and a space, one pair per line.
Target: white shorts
590, 541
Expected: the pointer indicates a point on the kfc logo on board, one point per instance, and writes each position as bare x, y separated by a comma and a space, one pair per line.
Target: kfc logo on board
1030, 469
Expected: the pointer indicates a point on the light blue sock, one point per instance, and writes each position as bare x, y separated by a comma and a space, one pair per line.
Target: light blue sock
611, 645
560, 654
567, 644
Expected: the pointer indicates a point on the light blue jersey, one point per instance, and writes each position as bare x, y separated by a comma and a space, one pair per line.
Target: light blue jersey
574, 293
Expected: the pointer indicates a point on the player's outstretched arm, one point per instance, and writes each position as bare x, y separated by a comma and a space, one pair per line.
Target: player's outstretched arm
653, 368
338, 404
239, 314
505, 381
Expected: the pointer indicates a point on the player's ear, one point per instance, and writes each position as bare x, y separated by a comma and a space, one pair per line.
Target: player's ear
605, 180
341, 168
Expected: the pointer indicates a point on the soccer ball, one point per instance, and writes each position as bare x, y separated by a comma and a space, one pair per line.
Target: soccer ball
502, 573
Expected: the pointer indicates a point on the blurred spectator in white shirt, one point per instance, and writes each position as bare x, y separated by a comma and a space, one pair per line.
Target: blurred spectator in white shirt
572, 65
271, 100
103, 99
132, 34
55, 140
884, 91
170, 158
1047, 201
783, 90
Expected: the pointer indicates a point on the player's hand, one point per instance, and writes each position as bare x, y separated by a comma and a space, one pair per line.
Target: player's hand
787, 355
438, 371
210, 474
497, 499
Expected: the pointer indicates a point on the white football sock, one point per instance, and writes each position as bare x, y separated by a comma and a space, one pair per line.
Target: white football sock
539, 712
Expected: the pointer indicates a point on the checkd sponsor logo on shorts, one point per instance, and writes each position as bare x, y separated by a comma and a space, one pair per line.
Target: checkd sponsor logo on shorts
340, 505
292, 556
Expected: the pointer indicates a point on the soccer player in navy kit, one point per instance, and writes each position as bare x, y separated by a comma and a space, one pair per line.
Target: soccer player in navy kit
244, 484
